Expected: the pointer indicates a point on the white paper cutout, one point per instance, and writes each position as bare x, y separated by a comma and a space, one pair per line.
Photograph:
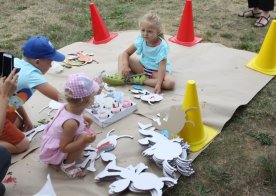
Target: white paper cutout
30, 134
152, 98
53, 105
47, 189
169, 155
145, 95
134, 178
103, 147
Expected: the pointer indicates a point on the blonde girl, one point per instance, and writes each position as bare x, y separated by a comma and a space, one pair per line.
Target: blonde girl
153, 51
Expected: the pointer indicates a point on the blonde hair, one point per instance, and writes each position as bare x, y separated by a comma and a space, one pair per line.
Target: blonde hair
155, 21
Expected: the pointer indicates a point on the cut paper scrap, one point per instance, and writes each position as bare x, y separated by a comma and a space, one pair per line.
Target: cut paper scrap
174, 121
30, 134
104, 146
53, 105
134, 178
168, 154
47, 189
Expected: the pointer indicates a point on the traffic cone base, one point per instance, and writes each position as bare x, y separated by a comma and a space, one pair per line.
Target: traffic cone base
111, 36
210, 134
190, 43
252, 65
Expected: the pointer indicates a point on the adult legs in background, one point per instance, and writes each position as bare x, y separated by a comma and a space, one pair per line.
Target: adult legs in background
4, 166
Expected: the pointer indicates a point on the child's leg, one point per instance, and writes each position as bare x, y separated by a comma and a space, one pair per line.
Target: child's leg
168, 83
13, 139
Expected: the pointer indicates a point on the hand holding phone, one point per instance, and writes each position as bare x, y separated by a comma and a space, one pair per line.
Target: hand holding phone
6, 64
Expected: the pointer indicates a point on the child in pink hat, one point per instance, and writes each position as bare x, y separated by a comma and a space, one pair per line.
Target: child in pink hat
68, 133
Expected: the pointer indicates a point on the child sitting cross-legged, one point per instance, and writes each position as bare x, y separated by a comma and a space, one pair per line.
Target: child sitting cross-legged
66, 136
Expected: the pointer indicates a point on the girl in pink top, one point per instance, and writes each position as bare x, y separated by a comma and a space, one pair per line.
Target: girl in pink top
68, 133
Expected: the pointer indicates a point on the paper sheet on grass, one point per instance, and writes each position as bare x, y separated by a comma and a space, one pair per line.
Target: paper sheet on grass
223, 84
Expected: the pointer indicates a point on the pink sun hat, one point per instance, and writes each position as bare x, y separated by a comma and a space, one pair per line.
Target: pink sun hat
80, 85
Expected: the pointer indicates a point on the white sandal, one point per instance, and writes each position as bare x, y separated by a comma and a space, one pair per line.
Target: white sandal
72, 173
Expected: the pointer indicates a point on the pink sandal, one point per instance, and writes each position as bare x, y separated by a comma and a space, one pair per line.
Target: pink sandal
72, 170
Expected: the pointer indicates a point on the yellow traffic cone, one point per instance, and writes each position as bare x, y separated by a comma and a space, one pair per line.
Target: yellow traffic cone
196, 134
265, 61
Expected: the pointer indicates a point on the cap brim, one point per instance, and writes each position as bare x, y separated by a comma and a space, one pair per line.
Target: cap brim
58, 57
96, 87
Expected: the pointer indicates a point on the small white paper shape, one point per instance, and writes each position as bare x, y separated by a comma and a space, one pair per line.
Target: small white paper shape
47, 189
53, 105
134, 178
144, 126
30, 134
152, 98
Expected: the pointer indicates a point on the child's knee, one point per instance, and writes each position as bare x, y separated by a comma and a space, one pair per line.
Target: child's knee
169, 85
23, 145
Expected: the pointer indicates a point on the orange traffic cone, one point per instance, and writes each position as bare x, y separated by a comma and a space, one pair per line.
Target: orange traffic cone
265, 61
185, 35
196, 134
101, 34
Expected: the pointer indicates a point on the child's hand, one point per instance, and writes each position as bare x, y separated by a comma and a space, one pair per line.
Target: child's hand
27, 125
8, 85
126, 71
88, 138
157, 89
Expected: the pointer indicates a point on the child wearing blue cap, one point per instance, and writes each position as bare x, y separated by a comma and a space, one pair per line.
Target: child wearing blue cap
38, 54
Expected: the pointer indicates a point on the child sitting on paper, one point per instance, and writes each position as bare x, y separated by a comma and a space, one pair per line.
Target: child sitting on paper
66, 136
38, 54
153, 61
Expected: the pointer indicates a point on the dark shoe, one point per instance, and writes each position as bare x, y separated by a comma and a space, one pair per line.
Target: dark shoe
2, 189
262, 21
250, 14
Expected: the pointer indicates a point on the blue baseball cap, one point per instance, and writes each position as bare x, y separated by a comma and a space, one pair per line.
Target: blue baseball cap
40, 47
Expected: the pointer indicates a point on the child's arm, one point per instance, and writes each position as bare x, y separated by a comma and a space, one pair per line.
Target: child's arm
67, 143
49, 91
125, 60
161, 75
88, 120
27, 123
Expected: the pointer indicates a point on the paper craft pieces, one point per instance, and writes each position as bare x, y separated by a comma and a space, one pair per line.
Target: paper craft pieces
53, 105
30, 134
134, 178
47, 189
79, 59
111, 106
168, 154
103, 147
145, 95
174, 121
